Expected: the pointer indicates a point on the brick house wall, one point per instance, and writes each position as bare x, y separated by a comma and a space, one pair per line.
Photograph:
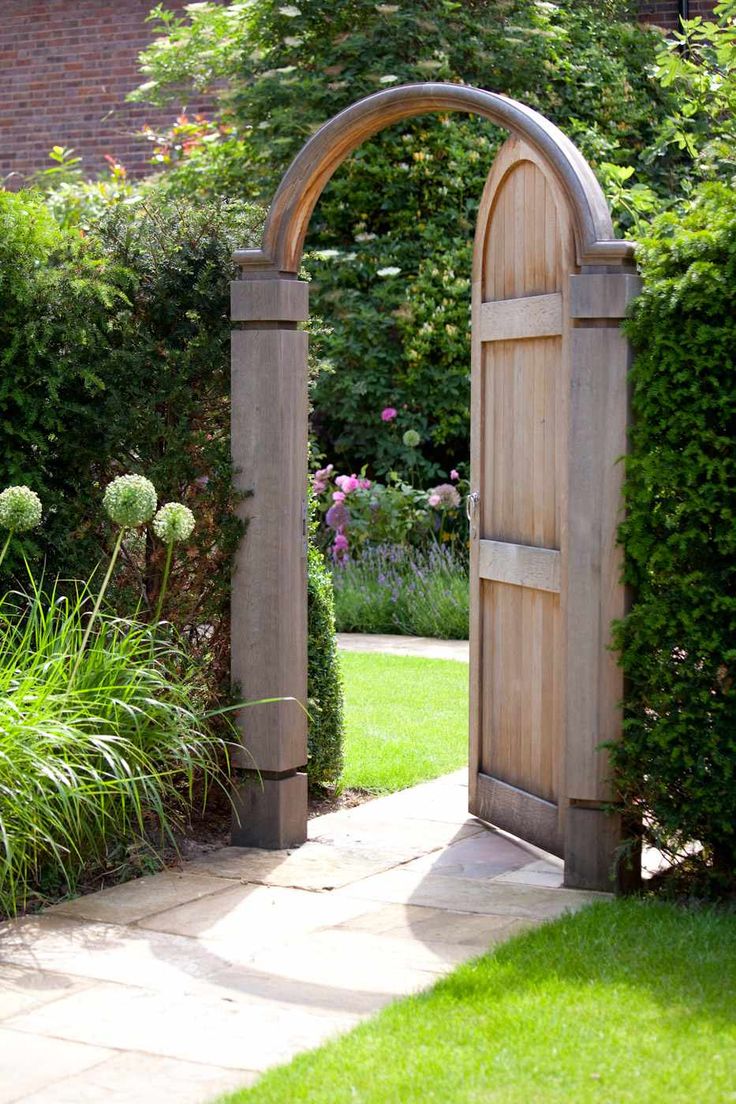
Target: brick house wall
68, 64
665, 12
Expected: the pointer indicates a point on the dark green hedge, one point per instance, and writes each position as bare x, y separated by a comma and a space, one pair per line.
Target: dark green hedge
325, 680
677, 762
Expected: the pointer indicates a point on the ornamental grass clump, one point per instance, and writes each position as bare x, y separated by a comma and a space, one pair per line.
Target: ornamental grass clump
106, 757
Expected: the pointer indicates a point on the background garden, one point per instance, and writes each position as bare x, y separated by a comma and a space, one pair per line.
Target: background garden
114, 342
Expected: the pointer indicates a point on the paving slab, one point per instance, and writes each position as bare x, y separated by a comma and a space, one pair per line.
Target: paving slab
32, 1062
23, 988
118, 1080
186, 983
423, 647
132, 901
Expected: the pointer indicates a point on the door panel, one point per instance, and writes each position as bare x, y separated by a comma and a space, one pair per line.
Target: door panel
524, 255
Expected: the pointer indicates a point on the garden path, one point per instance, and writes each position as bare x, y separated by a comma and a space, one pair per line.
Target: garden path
423, 646
187, 983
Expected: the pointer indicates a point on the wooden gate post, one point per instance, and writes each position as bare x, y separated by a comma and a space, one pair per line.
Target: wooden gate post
269, 589
596, 444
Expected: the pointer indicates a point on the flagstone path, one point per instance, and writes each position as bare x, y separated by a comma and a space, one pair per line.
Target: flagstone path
424, 647
184, 984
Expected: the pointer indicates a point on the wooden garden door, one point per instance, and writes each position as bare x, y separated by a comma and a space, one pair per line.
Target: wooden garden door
536, 569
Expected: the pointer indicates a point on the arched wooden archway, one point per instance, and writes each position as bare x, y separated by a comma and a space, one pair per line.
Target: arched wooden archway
548, 426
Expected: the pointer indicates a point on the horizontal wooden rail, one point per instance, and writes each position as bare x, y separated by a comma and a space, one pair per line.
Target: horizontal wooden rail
520, 565
526, 815
513, 319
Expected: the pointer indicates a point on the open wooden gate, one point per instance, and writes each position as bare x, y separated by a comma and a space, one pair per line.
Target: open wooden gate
548, 425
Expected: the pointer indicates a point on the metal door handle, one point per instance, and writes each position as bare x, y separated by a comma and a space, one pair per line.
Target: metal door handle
471, 510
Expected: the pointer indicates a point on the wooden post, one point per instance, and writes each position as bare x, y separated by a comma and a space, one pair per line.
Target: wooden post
269, 590
595, 687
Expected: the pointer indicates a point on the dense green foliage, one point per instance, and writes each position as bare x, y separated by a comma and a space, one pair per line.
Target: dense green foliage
98, 758
324, 689
677, 763
624, 1001
392, 235
699, 66
57, 296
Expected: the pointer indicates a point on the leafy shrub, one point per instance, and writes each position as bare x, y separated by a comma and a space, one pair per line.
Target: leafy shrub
325, 693
401, 589
392, 235
677, 762
358, 512
699, 65
107, 757
57, 295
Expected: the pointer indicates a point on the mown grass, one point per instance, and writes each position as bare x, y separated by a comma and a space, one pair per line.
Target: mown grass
626, 1002
406, 720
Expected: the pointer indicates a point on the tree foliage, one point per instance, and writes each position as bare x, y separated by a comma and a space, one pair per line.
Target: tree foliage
392, 235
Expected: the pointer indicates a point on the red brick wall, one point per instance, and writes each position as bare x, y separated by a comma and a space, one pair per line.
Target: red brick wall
664, 12
66, 68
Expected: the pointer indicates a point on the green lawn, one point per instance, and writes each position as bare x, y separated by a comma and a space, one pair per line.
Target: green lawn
624, 1002
406, 720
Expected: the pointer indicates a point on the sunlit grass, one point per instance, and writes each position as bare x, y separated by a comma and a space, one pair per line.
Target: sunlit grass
406, 720
624, 1003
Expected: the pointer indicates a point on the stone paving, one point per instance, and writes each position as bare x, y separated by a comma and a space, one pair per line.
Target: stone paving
424, 647
184, 984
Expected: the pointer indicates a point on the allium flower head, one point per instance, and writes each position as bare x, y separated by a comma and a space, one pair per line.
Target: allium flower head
446, 497
130, 500
174, 522
20, 509
388, 413
337, 517
411, 438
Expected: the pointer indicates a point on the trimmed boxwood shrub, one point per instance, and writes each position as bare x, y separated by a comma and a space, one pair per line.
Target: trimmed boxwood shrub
324, 678
677, 762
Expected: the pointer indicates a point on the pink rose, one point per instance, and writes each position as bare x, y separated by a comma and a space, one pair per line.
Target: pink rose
365, 484
348, 483
338, 496
454, 475
340, 547
434, 500
388, 414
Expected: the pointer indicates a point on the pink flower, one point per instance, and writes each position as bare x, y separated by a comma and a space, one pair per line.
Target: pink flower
365, 484
388, 414
454, 475
338, 496
321, 479
340, 547
434, 500
348, 483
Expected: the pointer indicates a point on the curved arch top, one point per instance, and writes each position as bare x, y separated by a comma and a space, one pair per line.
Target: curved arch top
305, 179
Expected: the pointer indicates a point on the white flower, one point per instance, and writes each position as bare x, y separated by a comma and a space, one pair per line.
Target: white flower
130, 500
390, 270
290, 11
20, 509
174, 522
390, 78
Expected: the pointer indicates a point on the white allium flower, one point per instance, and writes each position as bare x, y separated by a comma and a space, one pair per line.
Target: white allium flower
174, 522
20, 509
130, 500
